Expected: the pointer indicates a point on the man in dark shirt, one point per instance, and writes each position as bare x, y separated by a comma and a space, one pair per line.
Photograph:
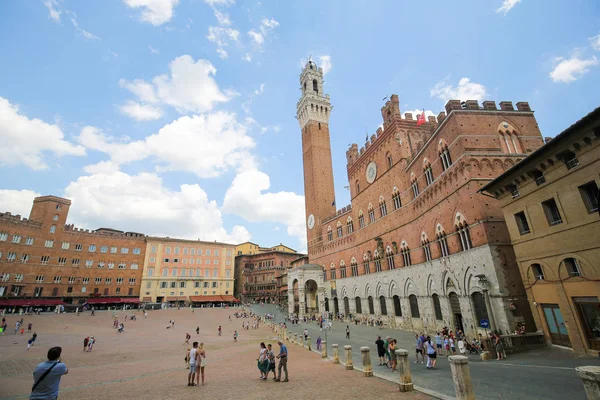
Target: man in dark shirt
380, 350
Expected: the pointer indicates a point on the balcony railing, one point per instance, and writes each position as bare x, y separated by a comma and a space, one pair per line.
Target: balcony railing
572, 163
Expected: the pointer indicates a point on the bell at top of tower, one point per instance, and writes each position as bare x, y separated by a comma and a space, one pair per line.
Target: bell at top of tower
314, 105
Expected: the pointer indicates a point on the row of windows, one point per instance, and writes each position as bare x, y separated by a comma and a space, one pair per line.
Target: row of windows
378, 262
17, 239
571, 265
589, 195
189, 250
173, 285
190, 261
188, 272
38, 291
5, 277
11, 256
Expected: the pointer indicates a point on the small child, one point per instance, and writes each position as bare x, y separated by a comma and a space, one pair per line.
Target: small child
235, 335
461, 347
22, 331
447, 345
452, 346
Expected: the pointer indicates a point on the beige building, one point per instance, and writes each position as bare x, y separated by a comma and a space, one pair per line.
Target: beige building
182, 272
550, 204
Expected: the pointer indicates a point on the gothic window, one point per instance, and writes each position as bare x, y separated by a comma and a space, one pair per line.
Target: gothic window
377, 262
442, 242
366, 261
437, 307
428, 175
315, 86
371, 307
405, 251
361, 219
389, 255
329, 234
426, 247
340, 231
397, 307
462, 228
332, 273
414, 306
304, 87
396, 198
349, 225
382, 207
445, 157
479, 306
390, 162
342, 269
415, 187
371, 214
382, 305
354, 267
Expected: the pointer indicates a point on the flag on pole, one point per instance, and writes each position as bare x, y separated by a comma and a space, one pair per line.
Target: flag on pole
421, 118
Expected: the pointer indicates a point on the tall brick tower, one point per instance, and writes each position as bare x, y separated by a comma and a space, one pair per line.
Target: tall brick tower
313, 112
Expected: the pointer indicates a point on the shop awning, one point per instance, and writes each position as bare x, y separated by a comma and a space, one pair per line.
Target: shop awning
30, 302
103, 300
130, 300
214, 299
176, 298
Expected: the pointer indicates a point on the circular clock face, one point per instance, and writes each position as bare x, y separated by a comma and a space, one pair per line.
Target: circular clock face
311, 221
371, 172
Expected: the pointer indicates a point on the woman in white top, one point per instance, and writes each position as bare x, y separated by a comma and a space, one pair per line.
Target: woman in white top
263, 361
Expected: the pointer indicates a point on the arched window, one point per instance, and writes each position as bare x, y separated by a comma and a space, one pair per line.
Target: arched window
340, 231
390, 162
479, 306
358, 305
396, 198
382, 206
405, 251
371, 214
462, 228
382, 305
377, 261
329, 233
332, 273
538, 272
414, 184
428, 174
304, 87
426, 246
342, 269
442, 242
349, 225
174, 272
198, 272
366, 262
414, 306
389, 255
315, 86
572, 266
354, 266
183, 272
437, 308
361, 219
165, 272
397, 307
371, 306
445, 156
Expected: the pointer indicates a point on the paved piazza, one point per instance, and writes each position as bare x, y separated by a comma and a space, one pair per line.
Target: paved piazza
147, 361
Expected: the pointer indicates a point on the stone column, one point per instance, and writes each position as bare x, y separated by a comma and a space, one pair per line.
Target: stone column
459, 365
590, 375
391, 313
488, 305
308, 344
301, 303
321, 294
366, 359
323, 348
404, 370
336, 353
290, 302
332, 309
348, 351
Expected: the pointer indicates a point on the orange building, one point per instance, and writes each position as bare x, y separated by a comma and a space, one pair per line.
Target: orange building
44, 261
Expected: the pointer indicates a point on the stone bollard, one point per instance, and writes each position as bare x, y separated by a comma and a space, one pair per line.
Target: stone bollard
308, 344
485, 355
366, 359
348, 351
461, 377
290, 337
324, 348
404, 370
336, 353
295, 338
590, 375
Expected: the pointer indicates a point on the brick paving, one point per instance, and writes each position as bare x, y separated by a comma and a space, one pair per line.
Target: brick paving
147, 361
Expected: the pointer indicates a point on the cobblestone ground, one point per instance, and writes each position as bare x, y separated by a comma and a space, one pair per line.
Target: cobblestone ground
147, 361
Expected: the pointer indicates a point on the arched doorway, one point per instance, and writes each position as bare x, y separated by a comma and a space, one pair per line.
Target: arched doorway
456, 313
371, 306
296, 297
382, 305
326, 304
346, 306
310, 293
336, 306
358, 305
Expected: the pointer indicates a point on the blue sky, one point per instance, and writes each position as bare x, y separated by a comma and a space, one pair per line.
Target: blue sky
177, 117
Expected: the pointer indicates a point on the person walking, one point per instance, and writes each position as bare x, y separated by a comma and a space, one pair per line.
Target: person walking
263, 362
380, 350
235, 335
431, 353
85, 342
305, 334
91, 344
201, 365
452, 345
187, 338
271, 359
438, 343
497, 341
283, 357
197, 330
347, 331
319, 341
29, 326
46, 376
193, 360
461, 346
393, 357
419, 349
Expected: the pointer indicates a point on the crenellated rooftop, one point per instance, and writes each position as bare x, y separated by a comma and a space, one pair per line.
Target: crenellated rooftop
104, 232
18, 220
342, 211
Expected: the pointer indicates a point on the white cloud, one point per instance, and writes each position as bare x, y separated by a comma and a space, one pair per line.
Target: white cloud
206, 145
222, 37
17, 202
222, 17
257, 36
260, 90
325, 63
153, 50
220, 2
189, 87
595, 42
53, 10
82, 32
141, 112
155, 12
466, 90
247, 57
507, 5
248, 197
141, 203
26, 141
417, 112
572, 69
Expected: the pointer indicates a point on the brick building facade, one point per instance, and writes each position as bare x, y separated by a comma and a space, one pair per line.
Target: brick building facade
45, 261
417, 246
263, 276
550, 204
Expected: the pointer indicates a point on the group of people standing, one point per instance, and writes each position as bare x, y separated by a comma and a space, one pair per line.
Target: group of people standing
267, 359
196, 359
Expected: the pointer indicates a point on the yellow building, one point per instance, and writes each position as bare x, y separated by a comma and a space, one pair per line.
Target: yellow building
279, 247
247, 248
181, 272
550, 204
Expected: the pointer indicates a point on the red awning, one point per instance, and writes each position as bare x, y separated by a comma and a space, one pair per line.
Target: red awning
30, 302
214, 299
129, 300
103, 300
